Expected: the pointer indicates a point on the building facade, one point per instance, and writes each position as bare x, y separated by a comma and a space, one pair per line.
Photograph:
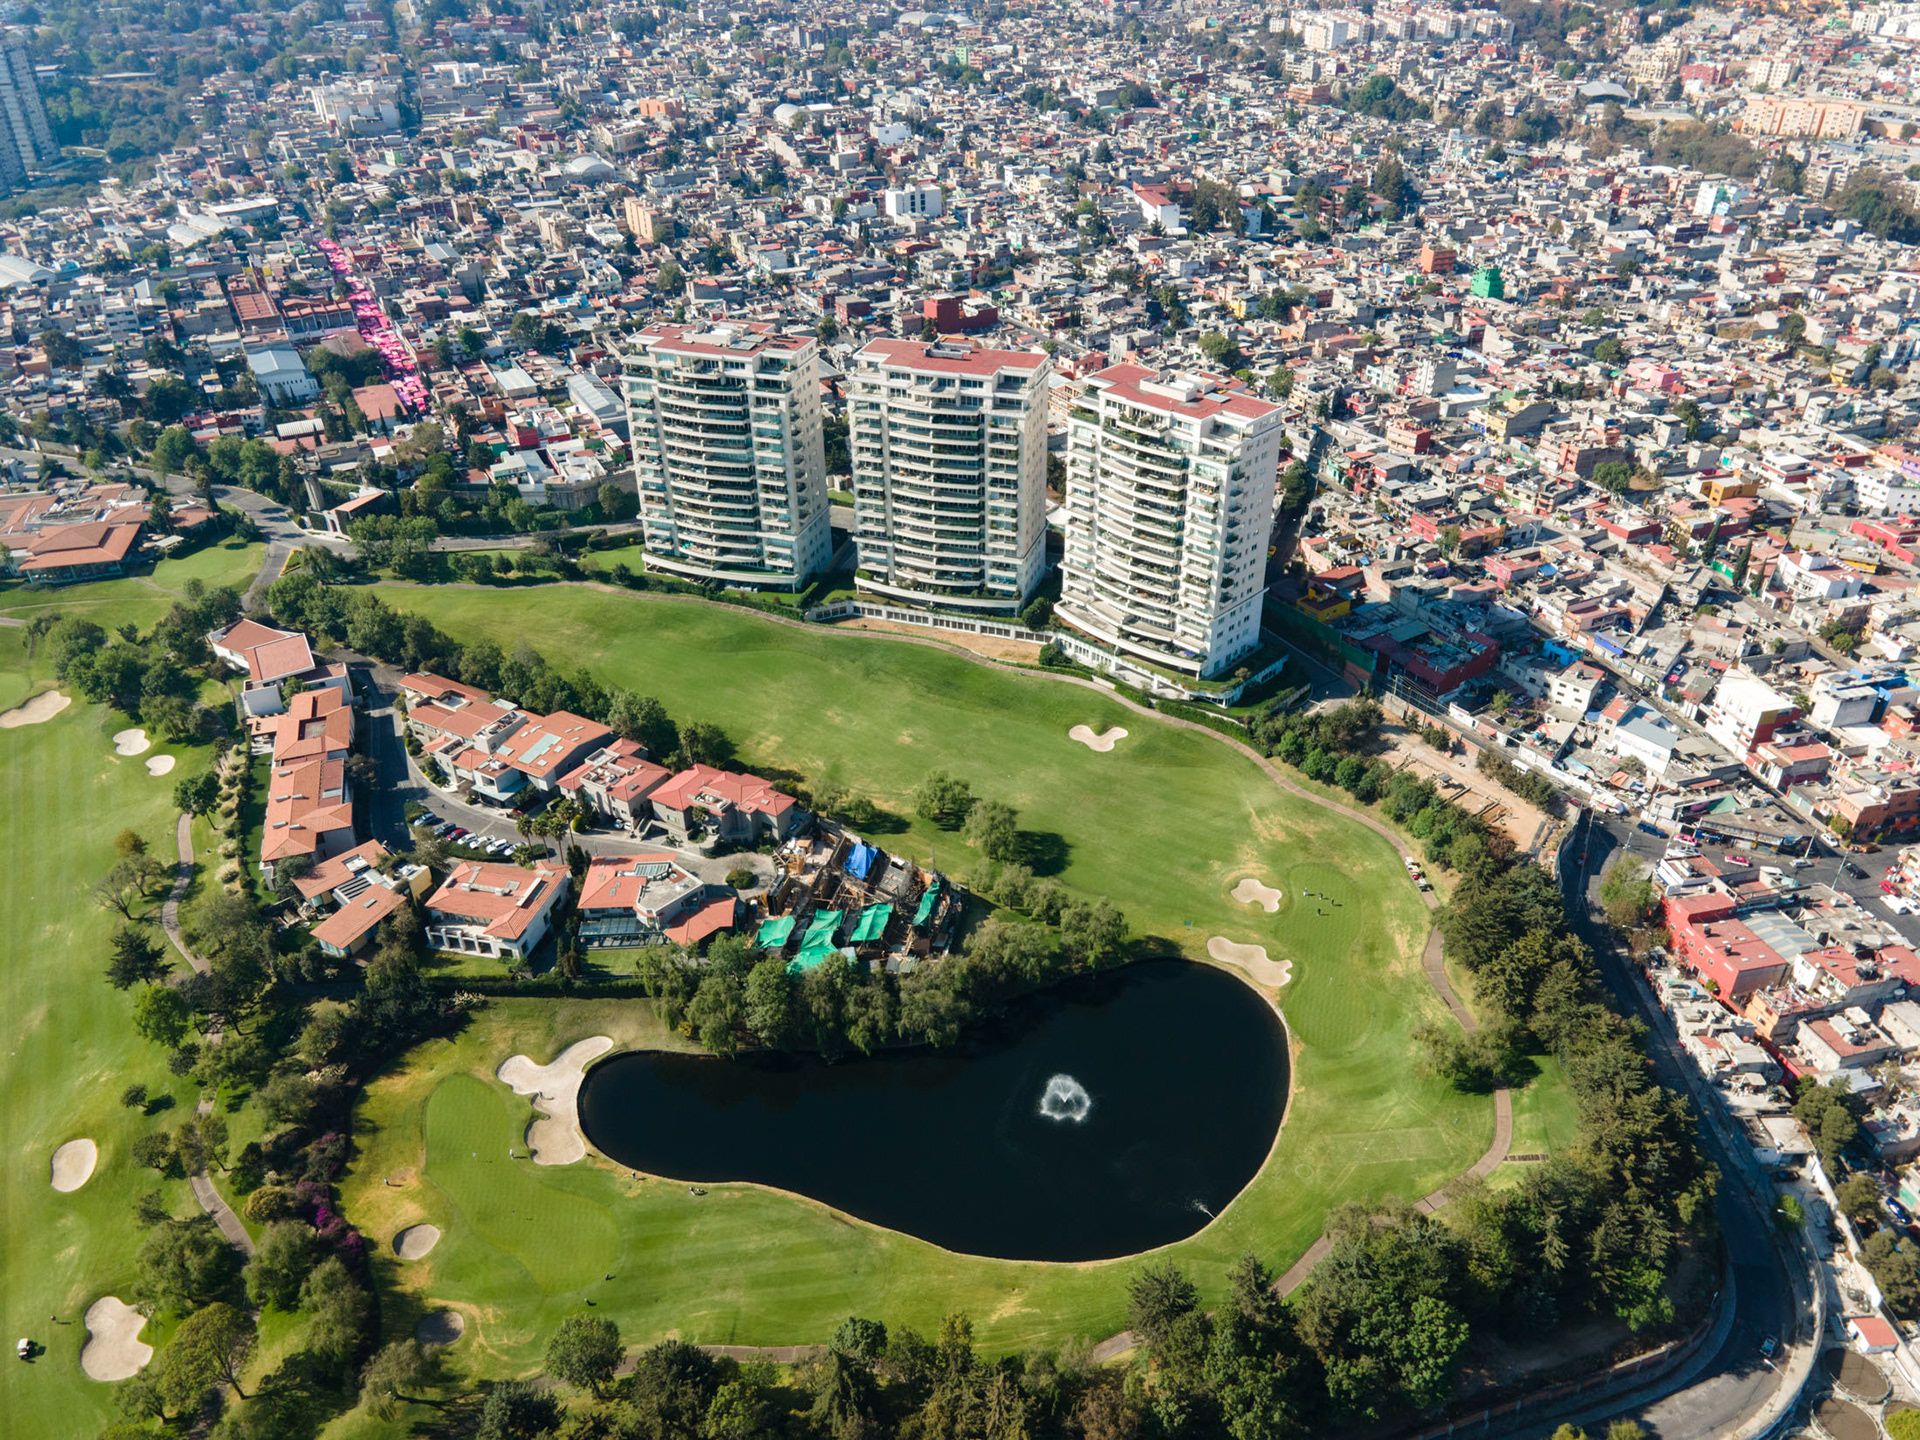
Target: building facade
1170, 485
26, 142
728, 455
949, 447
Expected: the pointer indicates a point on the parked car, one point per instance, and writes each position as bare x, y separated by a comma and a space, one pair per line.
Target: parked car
1735, 858
1852, 869
1768, 1346
1801, 862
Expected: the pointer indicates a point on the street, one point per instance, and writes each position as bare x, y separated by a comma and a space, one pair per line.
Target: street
1736, 1381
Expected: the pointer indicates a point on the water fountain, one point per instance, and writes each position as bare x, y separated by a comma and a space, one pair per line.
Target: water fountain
1065, 1098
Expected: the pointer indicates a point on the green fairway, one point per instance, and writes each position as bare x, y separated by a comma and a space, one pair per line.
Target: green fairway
1164, 825
71, 1046
139, 599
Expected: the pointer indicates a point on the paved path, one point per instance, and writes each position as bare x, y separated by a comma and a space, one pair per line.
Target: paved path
182, 878
201, 1184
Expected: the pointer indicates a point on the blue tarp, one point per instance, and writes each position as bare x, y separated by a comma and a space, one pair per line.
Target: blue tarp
860, 860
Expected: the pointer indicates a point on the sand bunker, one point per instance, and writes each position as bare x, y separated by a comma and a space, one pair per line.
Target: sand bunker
37, 711
159, 764
555, 1138
440, 1327
1252, 959
114, 1350
1102, 742
1251, 892
131, 742
416, 1241
73, 1165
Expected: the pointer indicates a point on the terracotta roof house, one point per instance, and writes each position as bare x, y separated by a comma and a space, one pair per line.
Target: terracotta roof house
309, 812
741, 808
615, 781
503, 910
642, 899
68, 554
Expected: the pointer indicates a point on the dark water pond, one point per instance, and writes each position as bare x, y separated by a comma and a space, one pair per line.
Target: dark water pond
1106, 1117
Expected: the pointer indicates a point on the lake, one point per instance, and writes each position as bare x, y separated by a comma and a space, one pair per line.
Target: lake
1110, 1115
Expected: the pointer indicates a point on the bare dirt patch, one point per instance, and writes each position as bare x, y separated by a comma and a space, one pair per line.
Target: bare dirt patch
73, 1165
37, 711
554, 1138
1102, 742
994, 647
1251, 892
114, 1349
416, 1242
1251, 960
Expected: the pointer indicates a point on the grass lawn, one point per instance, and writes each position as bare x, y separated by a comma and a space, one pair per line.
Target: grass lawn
141, 598
71, 1046
1165, 825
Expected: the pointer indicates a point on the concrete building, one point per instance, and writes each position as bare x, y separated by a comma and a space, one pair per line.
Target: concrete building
913, 202
728, 455
26, 142
1170, 484
949, 472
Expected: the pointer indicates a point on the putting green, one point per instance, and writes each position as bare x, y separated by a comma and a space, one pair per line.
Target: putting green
1165, 826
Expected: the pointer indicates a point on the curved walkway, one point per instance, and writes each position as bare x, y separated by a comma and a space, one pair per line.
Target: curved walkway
201, 1184
1432, 958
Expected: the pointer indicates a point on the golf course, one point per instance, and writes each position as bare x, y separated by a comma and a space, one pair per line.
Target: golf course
1166, 824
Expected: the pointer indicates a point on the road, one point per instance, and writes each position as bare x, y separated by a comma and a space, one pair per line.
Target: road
1735, 1382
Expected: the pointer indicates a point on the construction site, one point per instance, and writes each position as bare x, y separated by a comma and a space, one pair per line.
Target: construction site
834, 894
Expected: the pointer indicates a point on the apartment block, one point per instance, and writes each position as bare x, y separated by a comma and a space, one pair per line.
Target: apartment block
949, 472
1170, 484
728, 455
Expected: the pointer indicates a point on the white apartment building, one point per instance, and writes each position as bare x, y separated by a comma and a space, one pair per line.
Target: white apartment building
728, 456
1170, 483
949, 448
913, 201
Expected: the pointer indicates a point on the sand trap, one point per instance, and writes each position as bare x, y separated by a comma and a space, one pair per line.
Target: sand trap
131, 742
114, 1350
159, 764
73, 1165
416, 1241
1102, 742
1252, 959
555, 1138
1251, 892
440, 1327
37, 711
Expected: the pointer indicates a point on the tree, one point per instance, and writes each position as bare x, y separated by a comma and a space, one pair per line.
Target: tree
1894, 1263
392, 1375
990, 825
585, 1351
1626, 894
340, 1312
1610, 352
1095, 934
514, 1410
183, 1264
1501, 702
288, 1251
1156, 1298
1859, 1197
175, 445
209, 1349
943, 800
136, 958
160, 1013
617, 503
197, 794
702, 743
